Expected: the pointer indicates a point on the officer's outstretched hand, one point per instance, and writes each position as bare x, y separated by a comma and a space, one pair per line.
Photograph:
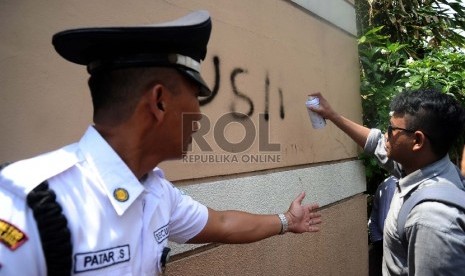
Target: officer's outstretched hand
303, 218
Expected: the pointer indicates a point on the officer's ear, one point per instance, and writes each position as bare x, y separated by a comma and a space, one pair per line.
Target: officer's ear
157, 101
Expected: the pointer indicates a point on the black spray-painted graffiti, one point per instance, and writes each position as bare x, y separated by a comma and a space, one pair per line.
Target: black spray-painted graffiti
241, 95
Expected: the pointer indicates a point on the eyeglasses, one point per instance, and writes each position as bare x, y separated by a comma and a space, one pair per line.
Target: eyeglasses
391, 128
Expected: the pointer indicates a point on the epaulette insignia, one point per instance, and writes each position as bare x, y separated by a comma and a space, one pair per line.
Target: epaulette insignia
11, 236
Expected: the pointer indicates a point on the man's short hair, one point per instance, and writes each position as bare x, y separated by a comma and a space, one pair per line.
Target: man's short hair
440, 116
116, 93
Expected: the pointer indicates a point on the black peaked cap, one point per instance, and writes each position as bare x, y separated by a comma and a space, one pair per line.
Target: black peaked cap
164, 44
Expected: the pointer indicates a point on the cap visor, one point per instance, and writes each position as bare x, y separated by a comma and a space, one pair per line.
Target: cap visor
195, 76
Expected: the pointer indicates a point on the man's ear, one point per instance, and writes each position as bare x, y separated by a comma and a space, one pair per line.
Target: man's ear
157, 101
419, 141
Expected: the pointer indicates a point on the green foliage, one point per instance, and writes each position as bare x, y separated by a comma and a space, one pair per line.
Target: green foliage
380, 61
442, 68
413, 22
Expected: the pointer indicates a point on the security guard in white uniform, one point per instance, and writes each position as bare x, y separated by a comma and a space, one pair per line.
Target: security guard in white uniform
101, 206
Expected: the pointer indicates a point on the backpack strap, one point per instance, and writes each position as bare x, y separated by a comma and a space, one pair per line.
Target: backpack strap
445, 194
53, 229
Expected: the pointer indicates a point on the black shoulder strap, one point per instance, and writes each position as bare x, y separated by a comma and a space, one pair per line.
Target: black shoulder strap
53, 229
3, 165
446, 194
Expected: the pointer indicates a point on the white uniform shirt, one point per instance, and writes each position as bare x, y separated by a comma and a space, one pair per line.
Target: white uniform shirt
110, 234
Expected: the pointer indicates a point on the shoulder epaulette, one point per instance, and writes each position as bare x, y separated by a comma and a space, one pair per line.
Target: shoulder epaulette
23, 176
55, 235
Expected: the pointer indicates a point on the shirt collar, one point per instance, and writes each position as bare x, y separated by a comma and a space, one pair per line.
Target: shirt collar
152, 183
414, 179
120, 184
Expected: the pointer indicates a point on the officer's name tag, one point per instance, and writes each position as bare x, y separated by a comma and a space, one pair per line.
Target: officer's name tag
101, 259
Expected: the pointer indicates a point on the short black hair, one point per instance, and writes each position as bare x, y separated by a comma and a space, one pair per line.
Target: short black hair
115, 93
439, 115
